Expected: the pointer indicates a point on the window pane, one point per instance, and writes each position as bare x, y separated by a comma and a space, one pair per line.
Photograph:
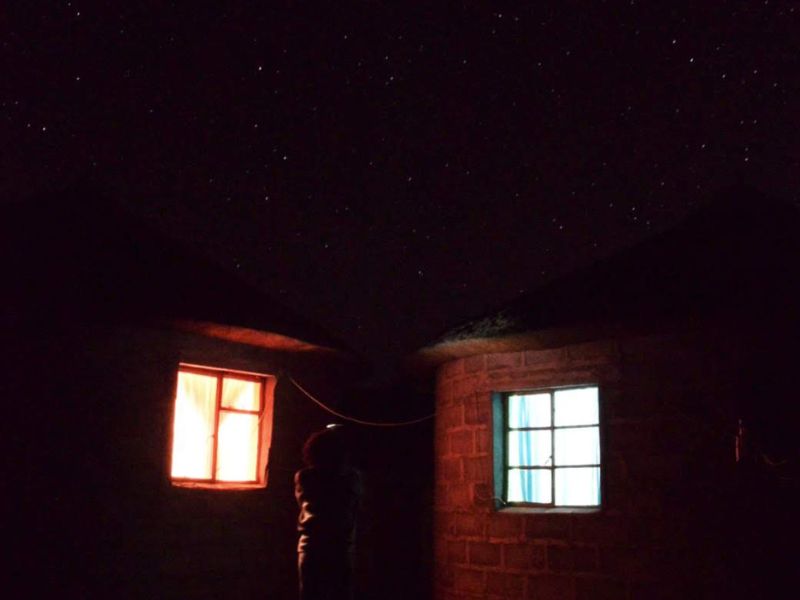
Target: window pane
237, 447
241, 394
529, 448
578, 487
576, 407
578, 446
529, 485
193, 428
531, 410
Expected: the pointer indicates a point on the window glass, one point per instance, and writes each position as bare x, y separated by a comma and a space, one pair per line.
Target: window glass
193, 427
529, 448
551, 454
222, 429
576, 407
237, 447
530, 410
577, 486
529, 485
578, 446
240, 394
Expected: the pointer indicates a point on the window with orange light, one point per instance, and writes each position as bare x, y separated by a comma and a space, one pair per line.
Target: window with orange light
222, 428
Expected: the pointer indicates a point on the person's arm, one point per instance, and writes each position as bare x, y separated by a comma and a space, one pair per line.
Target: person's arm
307, 520
298, 489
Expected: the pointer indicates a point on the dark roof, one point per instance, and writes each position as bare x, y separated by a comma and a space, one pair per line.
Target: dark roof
739, 253
77, 256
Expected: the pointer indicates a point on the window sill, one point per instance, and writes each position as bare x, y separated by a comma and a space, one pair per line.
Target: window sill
218, 485
555, 510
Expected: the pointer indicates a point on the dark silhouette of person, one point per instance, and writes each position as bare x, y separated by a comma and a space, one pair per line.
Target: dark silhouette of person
328, 492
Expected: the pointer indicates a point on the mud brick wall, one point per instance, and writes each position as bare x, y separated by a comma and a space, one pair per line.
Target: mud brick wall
667, 465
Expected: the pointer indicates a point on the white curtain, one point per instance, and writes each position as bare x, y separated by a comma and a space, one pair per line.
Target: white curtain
193, 427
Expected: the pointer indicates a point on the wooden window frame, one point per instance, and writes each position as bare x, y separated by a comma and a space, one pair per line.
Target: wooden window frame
264, 413
500, 405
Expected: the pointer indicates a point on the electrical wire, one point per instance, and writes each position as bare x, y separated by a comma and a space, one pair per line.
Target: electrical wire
353, 419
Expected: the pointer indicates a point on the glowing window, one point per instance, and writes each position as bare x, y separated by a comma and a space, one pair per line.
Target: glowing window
547, 447
222, 428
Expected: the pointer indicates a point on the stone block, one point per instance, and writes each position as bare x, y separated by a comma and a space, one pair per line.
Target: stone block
550, 587
451, 369
524, 557
448, 470
473, 364
483, 496
470, 524
464, 387
506, 526
483, 440
548, 527
599, 588
593, 353
461, 442
458, 496
456, 552
450, 417
506, 585
477, 469
559, 558
544, 359
598, 528
478, 410
504, 360
584, 559
484, 553
469, 580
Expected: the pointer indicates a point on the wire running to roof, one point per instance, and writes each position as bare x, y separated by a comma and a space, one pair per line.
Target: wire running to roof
355, 420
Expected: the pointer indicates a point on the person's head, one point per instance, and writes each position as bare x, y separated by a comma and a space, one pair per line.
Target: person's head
326, 448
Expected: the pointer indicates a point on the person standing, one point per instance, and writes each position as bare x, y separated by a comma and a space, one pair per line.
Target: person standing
328, 492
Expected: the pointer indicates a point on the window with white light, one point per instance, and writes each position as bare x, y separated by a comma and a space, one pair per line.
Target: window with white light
547, 447
222, 428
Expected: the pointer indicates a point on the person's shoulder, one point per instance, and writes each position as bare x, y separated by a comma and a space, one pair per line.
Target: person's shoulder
303, 474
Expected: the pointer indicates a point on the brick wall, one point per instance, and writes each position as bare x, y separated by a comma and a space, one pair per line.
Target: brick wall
663, 406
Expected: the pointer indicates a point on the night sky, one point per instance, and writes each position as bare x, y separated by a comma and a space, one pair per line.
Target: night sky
393, 169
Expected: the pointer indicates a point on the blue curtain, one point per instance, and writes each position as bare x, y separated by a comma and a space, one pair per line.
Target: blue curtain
525, 454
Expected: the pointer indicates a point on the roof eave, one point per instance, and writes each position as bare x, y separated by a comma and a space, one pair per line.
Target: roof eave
425, 361
430, 357
254, 337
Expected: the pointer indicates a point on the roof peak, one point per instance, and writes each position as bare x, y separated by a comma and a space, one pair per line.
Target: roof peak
80, 254
728, 252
